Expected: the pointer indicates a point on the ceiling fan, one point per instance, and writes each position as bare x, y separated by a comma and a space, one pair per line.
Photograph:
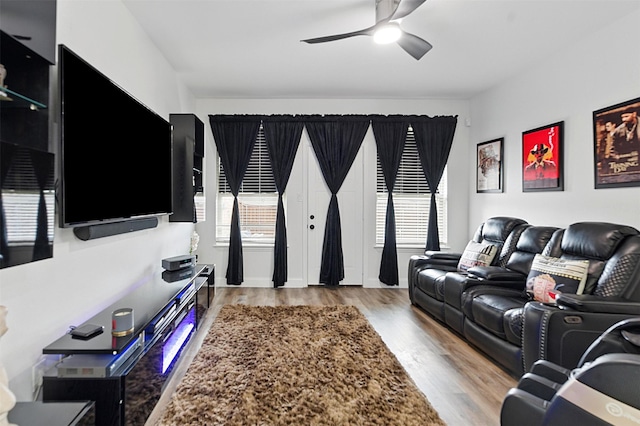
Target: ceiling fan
387, 28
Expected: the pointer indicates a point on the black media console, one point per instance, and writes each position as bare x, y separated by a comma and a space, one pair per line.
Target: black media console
125, 376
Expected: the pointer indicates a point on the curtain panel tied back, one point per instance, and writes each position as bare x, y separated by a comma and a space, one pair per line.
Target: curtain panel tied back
390, 134
235, 136
282, 134
434, 137
43, 169
336, 141
8, 151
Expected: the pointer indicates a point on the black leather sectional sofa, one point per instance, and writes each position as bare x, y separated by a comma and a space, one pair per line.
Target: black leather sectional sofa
489, 306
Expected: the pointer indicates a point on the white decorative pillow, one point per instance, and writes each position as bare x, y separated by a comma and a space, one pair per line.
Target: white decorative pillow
551, 275
476, 254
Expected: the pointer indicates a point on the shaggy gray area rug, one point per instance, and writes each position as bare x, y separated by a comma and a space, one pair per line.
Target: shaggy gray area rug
296, 365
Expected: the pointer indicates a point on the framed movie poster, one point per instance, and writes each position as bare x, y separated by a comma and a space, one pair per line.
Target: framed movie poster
489, 175
616, 145
542, 158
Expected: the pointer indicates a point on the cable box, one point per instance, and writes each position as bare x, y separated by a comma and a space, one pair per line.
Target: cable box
86, 366
97, 365
178, 262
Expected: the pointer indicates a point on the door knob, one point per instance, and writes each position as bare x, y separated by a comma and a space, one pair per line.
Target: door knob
312, 227
312, 217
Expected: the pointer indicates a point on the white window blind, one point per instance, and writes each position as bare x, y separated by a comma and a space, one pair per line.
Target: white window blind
257, 199
411, 199
200, 201
21, 215
21, 199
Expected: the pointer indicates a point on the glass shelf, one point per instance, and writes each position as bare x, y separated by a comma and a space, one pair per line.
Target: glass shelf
6, 95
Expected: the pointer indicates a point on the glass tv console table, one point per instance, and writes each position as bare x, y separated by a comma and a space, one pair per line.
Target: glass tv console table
125, 376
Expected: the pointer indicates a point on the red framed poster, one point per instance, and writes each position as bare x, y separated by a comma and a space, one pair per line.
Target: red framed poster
542, 168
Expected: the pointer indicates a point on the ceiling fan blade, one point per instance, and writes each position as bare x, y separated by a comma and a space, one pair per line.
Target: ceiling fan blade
367, 31
405, 7
414, 45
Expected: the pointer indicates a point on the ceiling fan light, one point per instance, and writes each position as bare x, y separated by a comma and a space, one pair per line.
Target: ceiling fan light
387, 33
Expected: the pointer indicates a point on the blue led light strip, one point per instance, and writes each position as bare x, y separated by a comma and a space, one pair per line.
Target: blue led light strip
178, 338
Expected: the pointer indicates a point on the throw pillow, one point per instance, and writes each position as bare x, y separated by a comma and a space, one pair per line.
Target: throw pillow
476, 254
551, 275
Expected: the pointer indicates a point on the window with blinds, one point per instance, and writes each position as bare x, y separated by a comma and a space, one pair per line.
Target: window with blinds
200, 202
21, 215
411, 199
257, 199
21, 200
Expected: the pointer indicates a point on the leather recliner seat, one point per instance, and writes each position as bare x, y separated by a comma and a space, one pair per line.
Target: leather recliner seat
516, 332
427, 272
509, 283
561, 332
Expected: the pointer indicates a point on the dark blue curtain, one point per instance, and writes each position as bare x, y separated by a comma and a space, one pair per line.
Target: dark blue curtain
390, 134
434, 137
282, 134
335, 140
235, 136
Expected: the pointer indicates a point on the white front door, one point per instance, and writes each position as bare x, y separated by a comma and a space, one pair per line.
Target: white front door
350, 203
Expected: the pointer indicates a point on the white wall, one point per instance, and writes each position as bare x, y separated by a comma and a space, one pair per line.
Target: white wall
46, 297
599, 71
258, 262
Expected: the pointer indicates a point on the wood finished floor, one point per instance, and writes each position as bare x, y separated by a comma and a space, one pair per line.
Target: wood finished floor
464, 387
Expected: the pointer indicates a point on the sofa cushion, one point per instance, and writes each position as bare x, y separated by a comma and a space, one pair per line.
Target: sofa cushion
431, 281
476, 254
532, 241
551, 274
489, 312
594, 240
497, 229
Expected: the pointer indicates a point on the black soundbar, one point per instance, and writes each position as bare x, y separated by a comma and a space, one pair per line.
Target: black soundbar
91, 232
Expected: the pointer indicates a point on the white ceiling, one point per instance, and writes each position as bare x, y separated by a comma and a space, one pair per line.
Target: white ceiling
252, 48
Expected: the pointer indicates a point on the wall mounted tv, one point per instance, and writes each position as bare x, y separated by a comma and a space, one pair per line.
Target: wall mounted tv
115, 153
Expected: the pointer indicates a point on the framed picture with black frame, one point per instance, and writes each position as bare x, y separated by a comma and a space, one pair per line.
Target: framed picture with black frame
616, 145
542, 153
489, 169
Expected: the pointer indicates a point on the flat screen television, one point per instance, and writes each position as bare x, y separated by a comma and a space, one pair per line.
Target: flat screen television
115, 153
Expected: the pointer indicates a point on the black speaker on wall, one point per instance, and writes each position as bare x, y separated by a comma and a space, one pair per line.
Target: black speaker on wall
91, 232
